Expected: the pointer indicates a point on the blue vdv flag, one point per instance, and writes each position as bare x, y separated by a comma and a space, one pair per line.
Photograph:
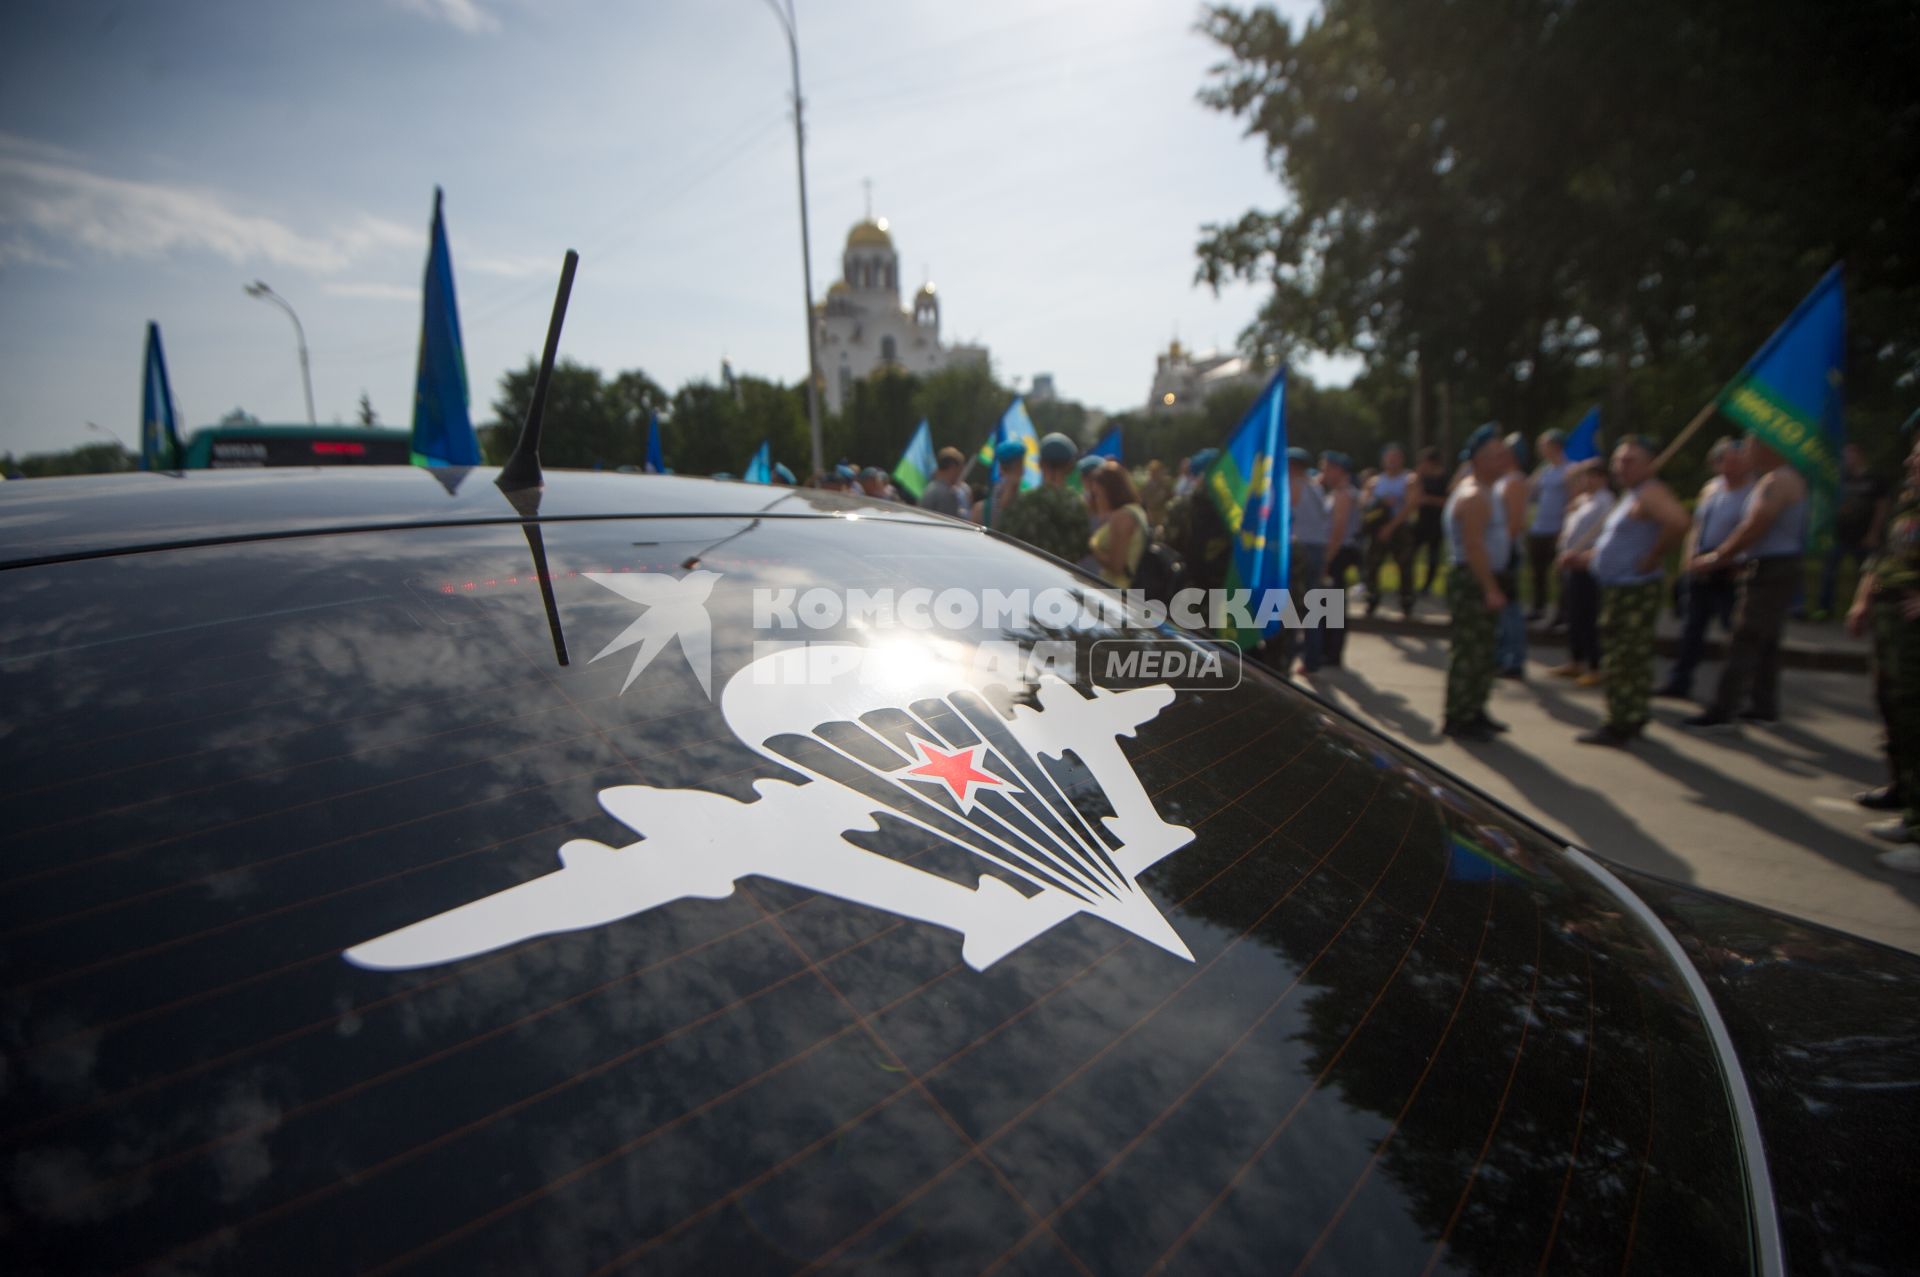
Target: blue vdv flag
917, 463
1248, 487
1109, 445
656, 464
442, 429
159, 423
1584, 443
760, 469
1789, 395
1016, 424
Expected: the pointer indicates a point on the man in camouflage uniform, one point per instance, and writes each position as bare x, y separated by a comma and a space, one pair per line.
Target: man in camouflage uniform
1052, 517
1478, 535
1888, 602
1628, 560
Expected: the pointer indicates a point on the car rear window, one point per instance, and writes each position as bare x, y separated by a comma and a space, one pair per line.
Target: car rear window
1401, 1035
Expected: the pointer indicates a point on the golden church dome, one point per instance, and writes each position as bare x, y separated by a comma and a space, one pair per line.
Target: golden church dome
870, 234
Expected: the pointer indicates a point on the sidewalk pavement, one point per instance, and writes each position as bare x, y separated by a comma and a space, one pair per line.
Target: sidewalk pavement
1820, 645
1763, 814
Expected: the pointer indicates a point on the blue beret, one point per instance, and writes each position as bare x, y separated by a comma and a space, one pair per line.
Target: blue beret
1057, 449
1480, 438
1299, 457
1340, 459
1010, 450
1204, 458
1089, 462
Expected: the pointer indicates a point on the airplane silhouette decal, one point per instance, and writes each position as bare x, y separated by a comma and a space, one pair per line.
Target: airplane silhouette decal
1043, 798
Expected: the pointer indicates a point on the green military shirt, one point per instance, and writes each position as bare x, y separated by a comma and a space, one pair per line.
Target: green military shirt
1896, 568
1050, 518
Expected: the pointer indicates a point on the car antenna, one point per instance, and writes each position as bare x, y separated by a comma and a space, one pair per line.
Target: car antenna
520, 479
522, 470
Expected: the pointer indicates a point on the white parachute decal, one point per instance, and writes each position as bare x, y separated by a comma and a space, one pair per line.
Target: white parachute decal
1044, 796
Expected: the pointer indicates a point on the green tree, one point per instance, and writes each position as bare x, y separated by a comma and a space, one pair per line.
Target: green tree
88, 458
1069, 419
1537, 203
879, 418
365, 413
589, 421
961, 403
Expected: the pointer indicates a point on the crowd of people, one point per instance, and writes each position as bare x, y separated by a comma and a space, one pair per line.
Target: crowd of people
1606, 533
1586, 542
1086, 510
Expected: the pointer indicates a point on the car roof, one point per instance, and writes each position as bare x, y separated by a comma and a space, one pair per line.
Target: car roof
49, 520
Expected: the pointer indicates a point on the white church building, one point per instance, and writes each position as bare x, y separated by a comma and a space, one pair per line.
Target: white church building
861, 327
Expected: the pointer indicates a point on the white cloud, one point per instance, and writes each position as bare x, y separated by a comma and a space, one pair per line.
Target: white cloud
504, 267
367, 290
18, 250
466, 15
49, 201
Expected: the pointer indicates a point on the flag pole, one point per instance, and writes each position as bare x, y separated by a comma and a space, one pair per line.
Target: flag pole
1687, 432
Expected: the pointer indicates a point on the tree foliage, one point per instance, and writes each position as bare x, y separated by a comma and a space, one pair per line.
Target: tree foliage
589, 420
707, 428
88, 458
1542, 203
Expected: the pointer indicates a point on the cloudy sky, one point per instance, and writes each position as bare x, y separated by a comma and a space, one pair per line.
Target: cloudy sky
1044, 161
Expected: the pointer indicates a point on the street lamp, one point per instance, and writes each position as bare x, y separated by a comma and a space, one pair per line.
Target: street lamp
788, 25
258, 288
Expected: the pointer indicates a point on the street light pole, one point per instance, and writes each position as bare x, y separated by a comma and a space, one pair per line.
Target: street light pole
112, 434
788, 24
258, 288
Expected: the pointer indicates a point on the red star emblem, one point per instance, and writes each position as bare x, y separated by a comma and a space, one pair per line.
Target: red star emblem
958, 771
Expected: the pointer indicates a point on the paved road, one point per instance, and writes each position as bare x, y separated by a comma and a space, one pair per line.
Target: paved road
1763, 814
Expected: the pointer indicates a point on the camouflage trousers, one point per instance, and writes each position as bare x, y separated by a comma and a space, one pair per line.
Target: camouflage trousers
1896, 686
1399, 548
1470, 657
1627, 613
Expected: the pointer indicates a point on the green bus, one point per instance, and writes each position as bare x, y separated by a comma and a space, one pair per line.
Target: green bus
252, 446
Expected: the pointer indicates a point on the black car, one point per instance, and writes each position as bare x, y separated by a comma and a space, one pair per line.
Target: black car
376, 900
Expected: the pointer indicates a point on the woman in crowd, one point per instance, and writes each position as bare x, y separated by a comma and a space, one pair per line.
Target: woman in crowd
1117, 544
